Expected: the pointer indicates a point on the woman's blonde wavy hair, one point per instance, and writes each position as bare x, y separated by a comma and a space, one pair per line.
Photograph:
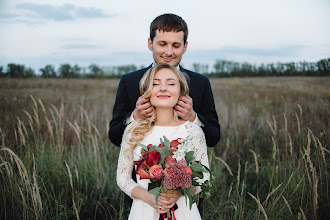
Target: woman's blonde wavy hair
141, 128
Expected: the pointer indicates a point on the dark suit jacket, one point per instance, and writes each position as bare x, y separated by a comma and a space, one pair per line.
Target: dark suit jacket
199, 90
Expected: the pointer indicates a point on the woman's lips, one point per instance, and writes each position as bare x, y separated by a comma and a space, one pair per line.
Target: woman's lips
163, 96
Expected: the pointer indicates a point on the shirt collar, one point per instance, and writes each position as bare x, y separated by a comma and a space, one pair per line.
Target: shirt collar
178, 66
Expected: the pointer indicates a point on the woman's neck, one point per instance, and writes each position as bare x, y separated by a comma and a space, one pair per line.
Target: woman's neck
165, 117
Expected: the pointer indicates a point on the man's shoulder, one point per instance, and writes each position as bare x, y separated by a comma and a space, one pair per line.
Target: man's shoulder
135, 74
195, 76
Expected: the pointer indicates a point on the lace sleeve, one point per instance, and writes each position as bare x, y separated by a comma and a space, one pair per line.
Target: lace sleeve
125, 168
200, 149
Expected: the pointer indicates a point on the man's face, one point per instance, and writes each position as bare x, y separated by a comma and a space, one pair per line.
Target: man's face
168, 47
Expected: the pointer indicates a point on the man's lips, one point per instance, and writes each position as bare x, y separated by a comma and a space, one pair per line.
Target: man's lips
168, 59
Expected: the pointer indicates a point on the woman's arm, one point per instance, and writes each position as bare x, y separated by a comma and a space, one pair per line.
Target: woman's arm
129, 186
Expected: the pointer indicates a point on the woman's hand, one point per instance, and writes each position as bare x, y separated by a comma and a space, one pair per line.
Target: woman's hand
170, 197
162, 207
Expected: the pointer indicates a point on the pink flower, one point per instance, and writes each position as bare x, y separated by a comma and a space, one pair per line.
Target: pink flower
181, 163
187, 170
176, 178
169, 161
156, 172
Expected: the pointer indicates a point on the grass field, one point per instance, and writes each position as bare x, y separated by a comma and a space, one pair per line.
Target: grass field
56, 161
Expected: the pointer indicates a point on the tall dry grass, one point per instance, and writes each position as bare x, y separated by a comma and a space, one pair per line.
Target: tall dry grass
56, 161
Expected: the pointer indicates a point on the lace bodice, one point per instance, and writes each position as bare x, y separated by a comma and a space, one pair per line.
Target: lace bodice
125, 161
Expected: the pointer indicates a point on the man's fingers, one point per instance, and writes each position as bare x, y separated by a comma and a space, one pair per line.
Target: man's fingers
186, 99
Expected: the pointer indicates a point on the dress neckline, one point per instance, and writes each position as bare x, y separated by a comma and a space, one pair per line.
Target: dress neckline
158, 126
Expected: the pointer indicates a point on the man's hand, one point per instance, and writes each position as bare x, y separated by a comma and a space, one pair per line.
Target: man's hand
143, 109
184, 108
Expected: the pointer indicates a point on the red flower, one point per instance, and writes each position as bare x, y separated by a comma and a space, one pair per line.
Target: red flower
149, 146
152, 158
175, 143
144, 152
141, 170
156, 172
139, 162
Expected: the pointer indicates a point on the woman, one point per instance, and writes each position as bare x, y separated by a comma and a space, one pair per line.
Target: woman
163, 85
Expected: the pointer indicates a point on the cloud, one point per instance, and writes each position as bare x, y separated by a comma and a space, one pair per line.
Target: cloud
79, 46
65, 12
236, 52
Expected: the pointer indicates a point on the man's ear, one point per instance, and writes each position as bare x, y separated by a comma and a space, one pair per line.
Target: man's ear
150, 44
185, 47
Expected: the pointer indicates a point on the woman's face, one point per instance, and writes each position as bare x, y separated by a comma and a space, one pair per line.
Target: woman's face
166, 89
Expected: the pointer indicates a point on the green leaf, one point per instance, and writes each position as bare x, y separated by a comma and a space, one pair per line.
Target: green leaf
144, 147
198, 167
195, 198
163, 154
166, 142
189, 157
153, 147
197, 174
156, 191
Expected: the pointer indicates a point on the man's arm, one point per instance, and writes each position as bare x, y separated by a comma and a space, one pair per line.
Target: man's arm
209, 117
121, 112
205, 113
125, 109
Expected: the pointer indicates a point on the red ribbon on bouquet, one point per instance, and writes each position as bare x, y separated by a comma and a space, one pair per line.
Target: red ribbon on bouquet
172, 217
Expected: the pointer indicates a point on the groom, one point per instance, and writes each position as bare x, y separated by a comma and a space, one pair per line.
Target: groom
168, 43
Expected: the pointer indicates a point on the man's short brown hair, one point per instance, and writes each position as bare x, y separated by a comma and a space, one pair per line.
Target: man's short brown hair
168, 23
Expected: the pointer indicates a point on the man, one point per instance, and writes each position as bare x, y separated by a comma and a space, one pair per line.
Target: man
168, 43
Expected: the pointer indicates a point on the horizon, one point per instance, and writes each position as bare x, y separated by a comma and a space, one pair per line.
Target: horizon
42, 32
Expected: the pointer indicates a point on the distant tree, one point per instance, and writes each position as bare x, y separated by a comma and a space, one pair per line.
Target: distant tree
15, 70
197, 67
29, 73
95, 71
48, 71
220, 67
2, 73
121, 70
324, 67
76, 71
66, 71
246, 69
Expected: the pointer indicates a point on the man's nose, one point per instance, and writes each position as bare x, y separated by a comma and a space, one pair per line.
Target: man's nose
169, 50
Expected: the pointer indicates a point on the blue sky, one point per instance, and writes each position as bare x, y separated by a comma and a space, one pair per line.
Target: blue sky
105, 32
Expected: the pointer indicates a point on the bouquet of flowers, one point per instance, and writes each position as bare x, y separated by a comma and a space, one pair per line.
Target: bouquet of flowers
172, 166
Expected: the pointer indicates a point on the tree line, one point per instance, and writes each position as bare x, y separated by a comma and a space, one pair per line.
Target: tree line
221, 68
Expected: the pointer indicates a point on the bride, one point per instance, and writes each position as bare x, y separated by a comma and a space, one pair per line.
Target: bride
163, 85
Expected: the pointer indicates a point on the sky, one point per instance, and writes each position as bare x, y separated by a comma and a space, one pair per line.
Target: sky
111, 33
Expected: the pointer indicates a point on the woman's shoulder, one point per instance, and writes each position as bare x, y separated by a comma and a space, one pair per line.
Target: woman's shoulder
193, 128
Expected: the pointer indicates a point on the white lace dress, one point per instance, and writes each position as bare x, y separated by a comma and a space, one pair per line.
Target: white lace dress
141, 210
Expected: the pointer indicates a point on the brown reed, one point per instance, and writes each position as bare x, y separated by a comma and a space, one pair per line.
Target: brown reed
71, 184
259, 205
255, 161
226, 165
287, 204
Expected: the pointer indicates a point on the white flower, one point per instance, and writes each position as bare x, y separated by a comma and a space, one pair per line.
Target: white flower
179, 154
